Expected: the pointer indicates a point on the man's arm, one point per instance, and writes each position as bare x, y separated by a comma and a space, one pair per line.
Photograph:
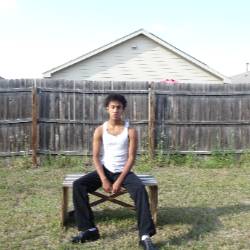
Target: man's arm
97, 141
132, 134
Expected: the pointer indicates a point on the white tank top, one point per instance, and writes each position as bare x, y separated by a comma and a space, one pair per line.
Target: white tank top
114, 149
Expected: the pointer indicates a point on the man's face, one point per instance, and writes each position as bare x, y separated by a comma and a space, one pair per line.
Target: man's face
115, 110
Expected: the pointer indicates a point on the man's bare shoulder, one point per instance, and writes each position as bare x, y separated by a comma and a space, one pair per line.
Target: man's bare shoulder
98, 131
132, 131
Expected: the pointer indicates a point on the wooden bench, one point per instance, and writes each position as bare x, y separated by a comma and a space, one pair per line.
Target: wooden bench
148, 180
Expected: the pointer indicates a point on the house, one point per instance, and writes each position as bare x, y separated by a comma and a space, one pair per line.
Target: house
242, 78
139, 56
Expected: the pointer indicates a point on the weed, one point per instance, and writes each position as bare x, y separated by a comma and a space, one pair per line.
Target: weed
144, 163
62, 161
219, 159
193, 160
244, 159
18, 162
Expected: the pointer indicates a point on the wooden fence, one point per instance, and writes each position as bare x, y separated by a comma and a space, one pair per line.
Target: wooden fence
203, 117
58, 116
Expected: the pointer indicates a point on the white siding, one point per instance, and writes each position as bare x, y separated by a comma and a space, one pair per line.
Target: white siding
148, 62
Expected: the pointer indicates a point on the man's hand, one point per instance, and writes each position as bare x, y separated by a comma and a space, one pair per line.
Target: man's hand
116, 187
107, 186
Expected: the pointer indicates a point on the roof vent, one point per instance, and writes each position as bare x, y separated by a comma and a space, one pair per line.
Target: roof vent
134, 47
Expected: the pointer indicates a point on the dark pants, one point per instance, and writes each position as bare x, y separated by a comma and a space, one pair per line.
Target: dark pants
91, 182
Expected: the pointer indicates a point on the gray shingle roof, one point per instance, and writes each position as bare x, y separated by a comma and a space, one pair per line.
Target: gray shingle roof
241, 78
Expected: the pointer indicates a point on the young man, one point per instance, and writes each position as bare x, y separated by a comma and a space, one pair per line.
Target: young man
114, 152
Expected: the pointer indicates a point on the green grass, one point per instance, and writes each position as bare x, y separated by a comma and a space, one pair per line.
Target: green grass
200, 206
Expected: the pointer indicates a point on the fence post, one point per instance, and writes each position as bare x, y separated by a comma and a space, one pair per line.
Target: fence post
151, 121
34, 126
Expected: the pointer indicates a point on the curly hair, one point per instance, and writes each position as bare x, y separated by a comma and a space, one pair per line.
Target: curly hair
115, 97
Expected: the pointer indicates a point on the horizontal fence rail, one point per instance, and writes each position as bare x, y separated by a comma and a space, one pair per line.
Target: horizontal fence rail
42, 116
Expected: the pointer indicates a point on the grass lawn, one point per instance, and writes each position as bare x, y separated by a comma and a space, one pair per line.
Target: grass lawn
199, 208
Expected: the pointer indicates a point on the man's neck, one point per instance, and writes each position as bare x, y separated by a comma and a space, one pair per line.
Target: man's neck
115, 122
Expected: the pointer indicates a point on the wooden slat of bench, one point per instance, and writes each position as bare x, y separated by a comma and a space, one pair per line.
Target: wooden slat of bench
141, 176
147, 180
69, 184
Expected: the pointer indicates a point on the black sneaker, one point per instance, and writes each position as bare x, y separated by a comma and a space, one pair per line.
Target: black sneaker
86, 236
147, 244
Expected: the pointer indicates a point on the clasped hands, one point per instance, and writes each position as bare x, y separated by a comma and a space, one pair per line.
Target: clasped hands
108, 187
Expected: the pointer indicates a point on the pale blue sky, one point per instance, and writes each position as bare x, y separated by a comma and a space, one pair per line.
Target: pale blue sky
37, 35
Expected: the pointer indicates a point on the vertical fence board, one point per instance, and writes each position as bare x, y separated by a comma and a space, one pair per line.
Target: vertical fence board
151, 122
34, 126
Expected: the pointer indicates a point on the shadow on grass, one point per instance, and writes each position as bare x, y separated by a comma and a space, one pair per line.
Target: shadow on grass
201, 219
105, 215
108, 216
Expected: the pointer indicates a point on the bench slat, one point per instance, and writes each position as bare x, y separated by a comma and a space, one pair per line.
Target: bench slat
141, 178
147, 180
79, 175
